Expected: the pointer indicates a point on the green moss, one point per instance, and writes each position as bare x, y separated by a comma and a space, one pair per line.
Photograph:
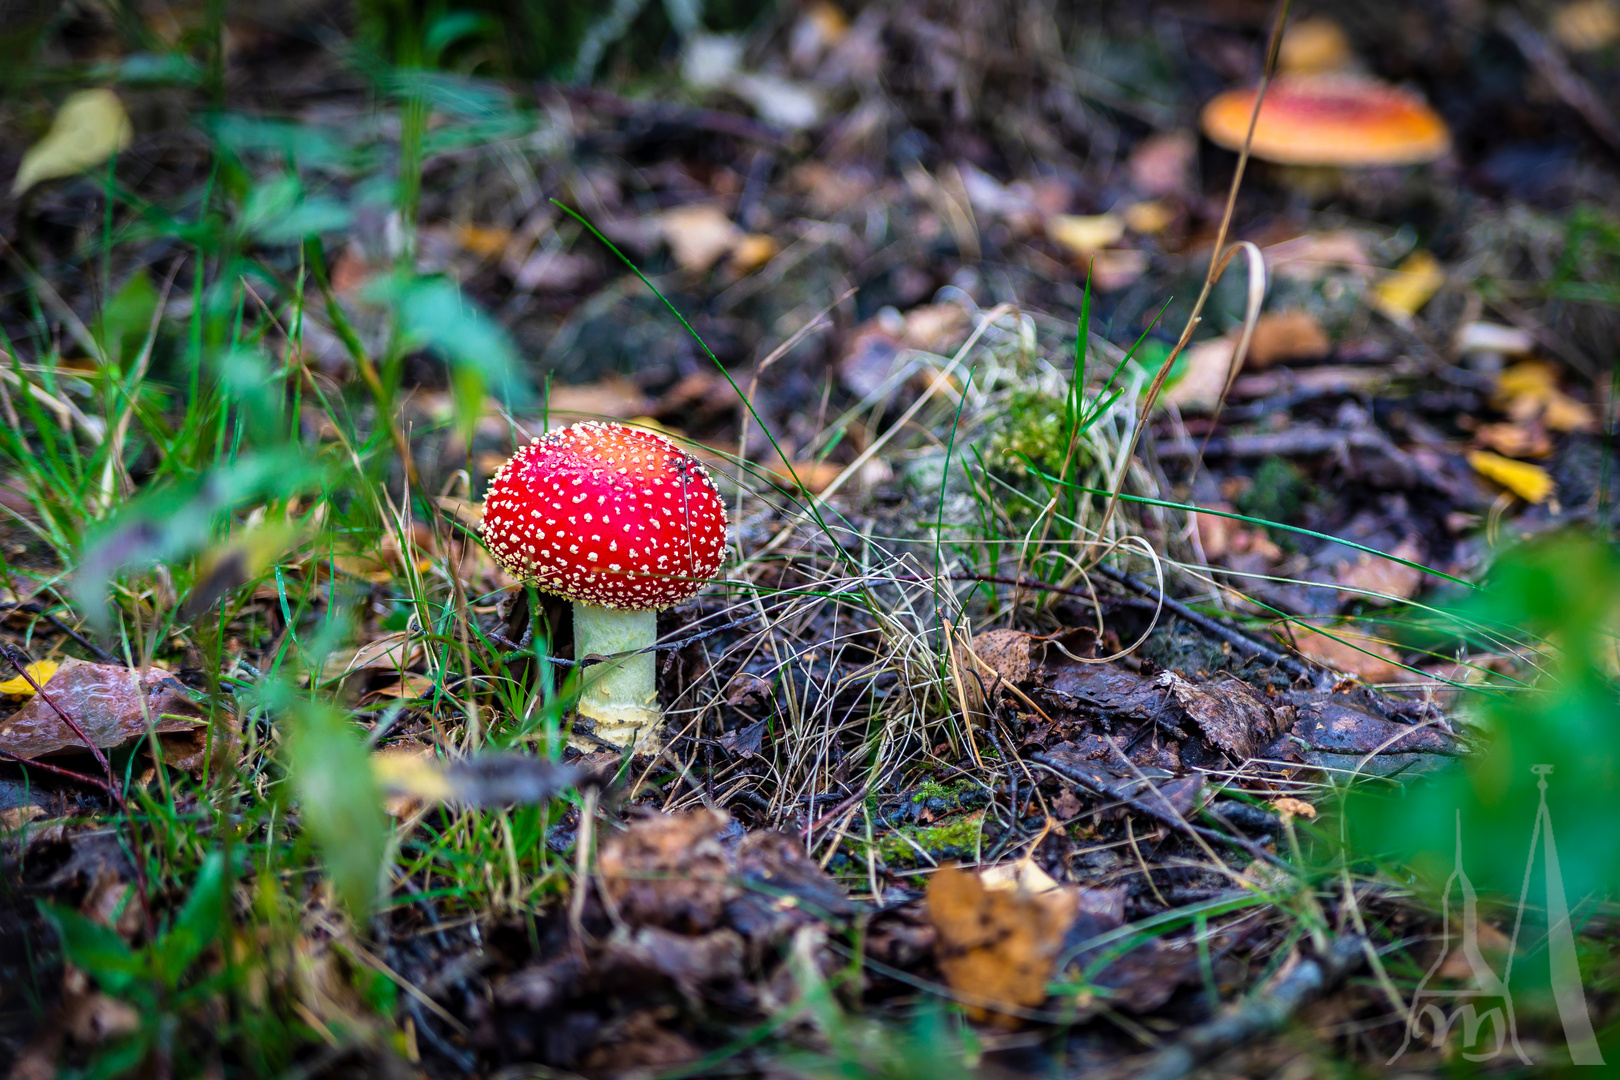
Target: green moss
1035, 429
1278, 491
955, 838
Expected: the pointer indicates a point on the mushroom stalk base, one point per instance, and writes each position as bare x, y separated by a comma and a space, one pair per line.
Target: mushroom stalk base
620, 695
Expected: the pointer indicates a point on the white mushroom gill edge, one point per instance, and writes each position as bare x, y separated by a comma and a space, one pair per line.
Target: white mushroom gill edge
620, 695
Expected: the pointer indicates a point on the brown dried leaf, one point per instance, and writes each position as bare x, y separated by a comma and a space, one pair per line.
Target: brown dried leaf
109, 702
699, 236
1385, 576
1010, 655
1282, 337
1368, 659
1000, 932
1229, 712
1200, 385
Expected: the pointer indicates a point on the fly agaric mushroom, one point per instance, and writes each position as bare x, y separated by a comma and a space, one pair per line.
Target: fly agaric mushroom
622, 522
1330, 119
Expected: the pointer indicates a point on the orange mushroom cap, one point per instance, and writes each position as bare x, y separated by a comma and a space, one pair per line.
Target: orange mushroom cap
1330, 119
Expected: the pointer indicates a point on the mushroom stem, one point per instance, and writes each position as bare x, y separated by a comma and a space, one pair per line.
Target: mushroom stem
620, 695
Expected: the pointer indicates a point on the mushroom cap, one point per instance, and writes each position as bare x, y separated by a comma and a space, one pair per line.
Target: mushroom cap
1330, 119
606, 515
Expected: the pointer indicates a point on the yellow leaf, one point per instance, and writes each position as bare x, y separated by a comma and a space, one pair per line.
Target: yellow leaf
1405, 290
1529, 482
90, 127
40, 670
1149, 218
1082, 234
411, 771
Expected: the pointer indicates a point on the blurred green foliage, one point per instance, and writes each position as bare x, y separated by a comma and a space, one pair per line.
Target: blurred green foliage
1557, 597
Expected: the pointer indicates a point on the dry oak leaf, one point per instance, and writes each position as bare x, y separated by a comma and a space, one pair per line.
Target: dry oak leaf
1000, 932
111, 703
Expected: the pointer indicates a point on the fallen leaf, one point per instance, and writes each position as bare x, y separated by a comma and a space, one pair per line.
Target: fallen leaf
1204, 377
1483, 337
936, 328
1116, 268
1514, 440
90, 127
1009, 655
1383, 576
1000, 933
698, 236
1587, 25
752, 252
1493, 945
1290, 807
111, 703
1368, 659
1229, 713
390, 652
1312, 256
1150, 217
1082, 234
1529, 390
1285, 336
1162, 165
614, 397
40, 671
485, 241
1529, 482
779, 101
1316, 43
1402, 292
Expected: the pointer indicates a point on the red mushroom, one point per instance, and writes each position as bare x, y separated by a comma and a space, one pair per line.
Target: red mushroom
622, 522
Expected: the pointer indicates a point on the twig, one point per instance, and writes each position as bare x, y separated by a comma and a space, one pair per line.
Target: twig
1165, 813
1266, 1012
77, 777
34, 607
1229, 634
1295, 442
1550, 64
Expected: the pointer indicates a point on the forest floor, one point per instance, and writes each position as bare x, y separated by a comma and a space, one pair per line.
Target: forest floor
968, 767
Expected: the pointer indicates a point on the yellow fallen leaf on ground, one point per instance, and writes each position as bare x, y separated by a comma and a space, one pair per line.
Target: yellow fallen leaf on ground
1529, 389
1281, 337
41, 672
1529, 482
485, 241
90, 127
1405, 289
753, 251
1081, 234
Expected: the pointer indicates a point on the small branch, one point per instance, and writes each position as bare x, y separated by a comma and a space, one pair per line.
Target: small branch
1261, 1014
